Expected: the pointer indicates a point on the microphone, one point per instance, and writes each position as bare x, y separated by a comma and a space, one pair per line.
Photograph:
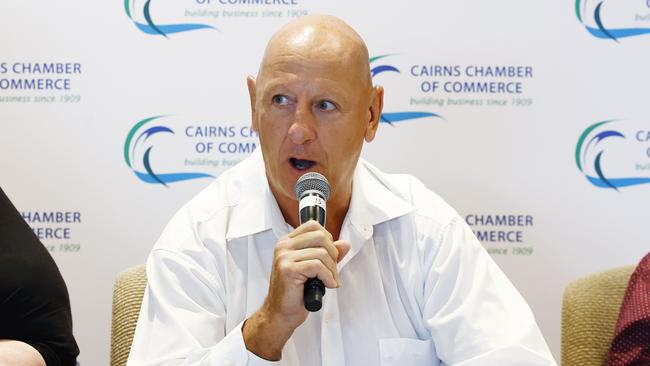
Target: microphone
312, 191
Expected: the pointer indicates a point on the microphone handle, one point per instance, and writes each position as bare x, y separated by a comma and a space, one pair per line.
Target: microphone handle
312, 213
314, 288
313, 294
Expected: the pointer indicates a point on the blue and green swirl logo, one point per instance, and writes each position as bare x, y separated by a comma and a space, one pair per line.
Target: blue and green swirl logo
140, 147
592, 18
158, 29
590, 153
392, 117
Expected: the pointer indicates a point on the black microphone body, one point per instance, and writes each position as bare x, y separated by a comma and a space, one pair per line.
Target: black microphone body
312, 191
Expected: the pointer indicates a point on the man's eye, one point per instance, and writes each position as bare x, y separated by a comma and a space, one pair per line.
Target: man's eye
280, 99
326, 105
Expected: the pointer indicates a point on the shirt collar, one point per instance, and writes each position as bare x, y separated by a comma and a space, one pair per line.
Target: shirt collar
256, 209
374, 200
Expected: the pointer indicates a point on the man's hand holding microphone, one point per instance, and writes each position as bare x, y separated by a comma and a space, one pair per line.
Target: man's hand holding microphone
304, 263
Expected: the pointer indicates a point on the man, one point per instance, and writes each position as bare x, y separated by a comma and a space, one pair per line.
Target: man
408, 282
35, 317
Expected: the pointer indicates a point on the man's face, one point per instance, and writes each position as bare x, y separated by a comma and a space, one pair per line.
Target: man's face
312, 114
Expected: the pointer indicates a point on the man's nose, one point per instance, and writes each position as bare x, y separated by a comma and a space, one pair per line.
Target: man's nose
302, 130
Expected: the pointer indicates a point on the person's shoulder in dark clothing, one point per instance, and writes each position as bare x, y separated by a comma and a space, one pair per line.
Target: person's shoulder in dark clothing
631, 344
34, 301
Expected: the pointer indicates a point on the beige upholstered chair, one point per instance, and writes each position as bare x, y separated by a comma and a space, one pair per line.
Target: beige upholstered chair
127, 298
589, 313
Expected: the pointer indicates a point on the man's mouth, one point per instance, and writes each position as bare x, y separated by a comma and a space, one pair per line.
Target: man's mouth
301, 164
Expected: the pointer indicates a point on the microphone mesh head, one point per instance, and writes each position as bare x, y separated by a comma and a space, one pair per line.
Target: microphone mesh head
312, 181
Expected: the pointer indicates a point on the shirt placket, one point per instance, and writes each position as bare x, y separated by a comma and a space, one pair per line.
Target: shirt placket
331, 337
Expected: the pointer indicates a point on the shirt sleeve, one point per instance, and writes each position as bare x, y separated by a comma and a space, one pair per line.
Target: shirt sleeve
631, 344
474, 313
34, 301
182, 319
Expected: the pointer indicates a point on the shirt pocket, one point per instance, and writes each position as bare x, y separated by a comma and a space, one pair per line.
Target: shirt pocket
407, 351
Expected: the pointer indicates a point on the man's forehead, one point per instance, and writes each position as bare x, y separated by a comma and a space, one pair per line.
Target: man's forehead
301, 77
332, 74
317, 43
297, 62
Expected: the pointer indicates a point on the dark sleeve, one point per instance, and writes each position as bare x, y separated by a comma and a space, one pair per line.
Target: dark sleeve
631, 344
34, 302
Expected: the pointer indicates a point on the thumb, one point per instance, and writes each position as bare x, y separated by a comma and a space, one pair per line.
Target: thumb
343, 247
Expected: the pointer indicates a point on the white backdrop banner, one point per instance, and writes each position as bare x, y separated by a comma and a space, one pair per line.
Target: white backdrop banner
529, 118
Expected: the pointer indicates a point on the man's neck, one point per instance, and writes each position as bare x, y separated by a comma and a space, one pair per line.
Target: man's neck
335, 216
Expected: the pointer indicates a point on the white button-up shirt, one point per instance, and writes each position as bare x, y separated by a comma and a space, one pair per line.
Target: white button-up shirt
417, 288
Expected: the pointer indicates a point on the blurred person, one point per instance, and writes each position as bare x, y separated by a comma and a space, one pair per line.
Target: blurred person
35, 317
631, 344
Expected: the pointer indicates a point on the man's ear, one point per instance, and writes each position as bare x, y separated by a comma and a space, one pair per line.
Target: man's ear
250, 81
376, 106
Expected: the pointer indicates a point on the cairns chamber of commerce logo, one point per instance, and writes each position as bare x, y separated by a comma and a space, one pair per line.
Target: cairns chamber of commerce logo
377, 68
140, 15
138, 149
614, 19
613, 154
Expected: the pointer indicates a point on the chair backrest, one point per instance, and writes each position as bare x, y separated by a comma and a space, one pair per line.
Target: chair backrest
590, 309
127, 298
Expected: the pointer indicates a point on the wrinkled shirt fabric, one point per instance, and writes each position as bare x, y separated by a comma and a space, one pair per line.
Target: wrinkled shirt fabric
417, 288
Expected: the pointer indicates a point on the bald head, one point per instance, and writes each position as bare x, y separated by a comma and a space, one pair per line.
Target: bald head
313, 106
322, 38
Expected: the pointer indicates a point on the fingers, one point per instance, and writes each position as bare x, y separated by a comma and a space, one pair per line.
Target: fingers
315, 268
343, 248
320, 254
298, 266
310, 239
308, 226
309, 251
